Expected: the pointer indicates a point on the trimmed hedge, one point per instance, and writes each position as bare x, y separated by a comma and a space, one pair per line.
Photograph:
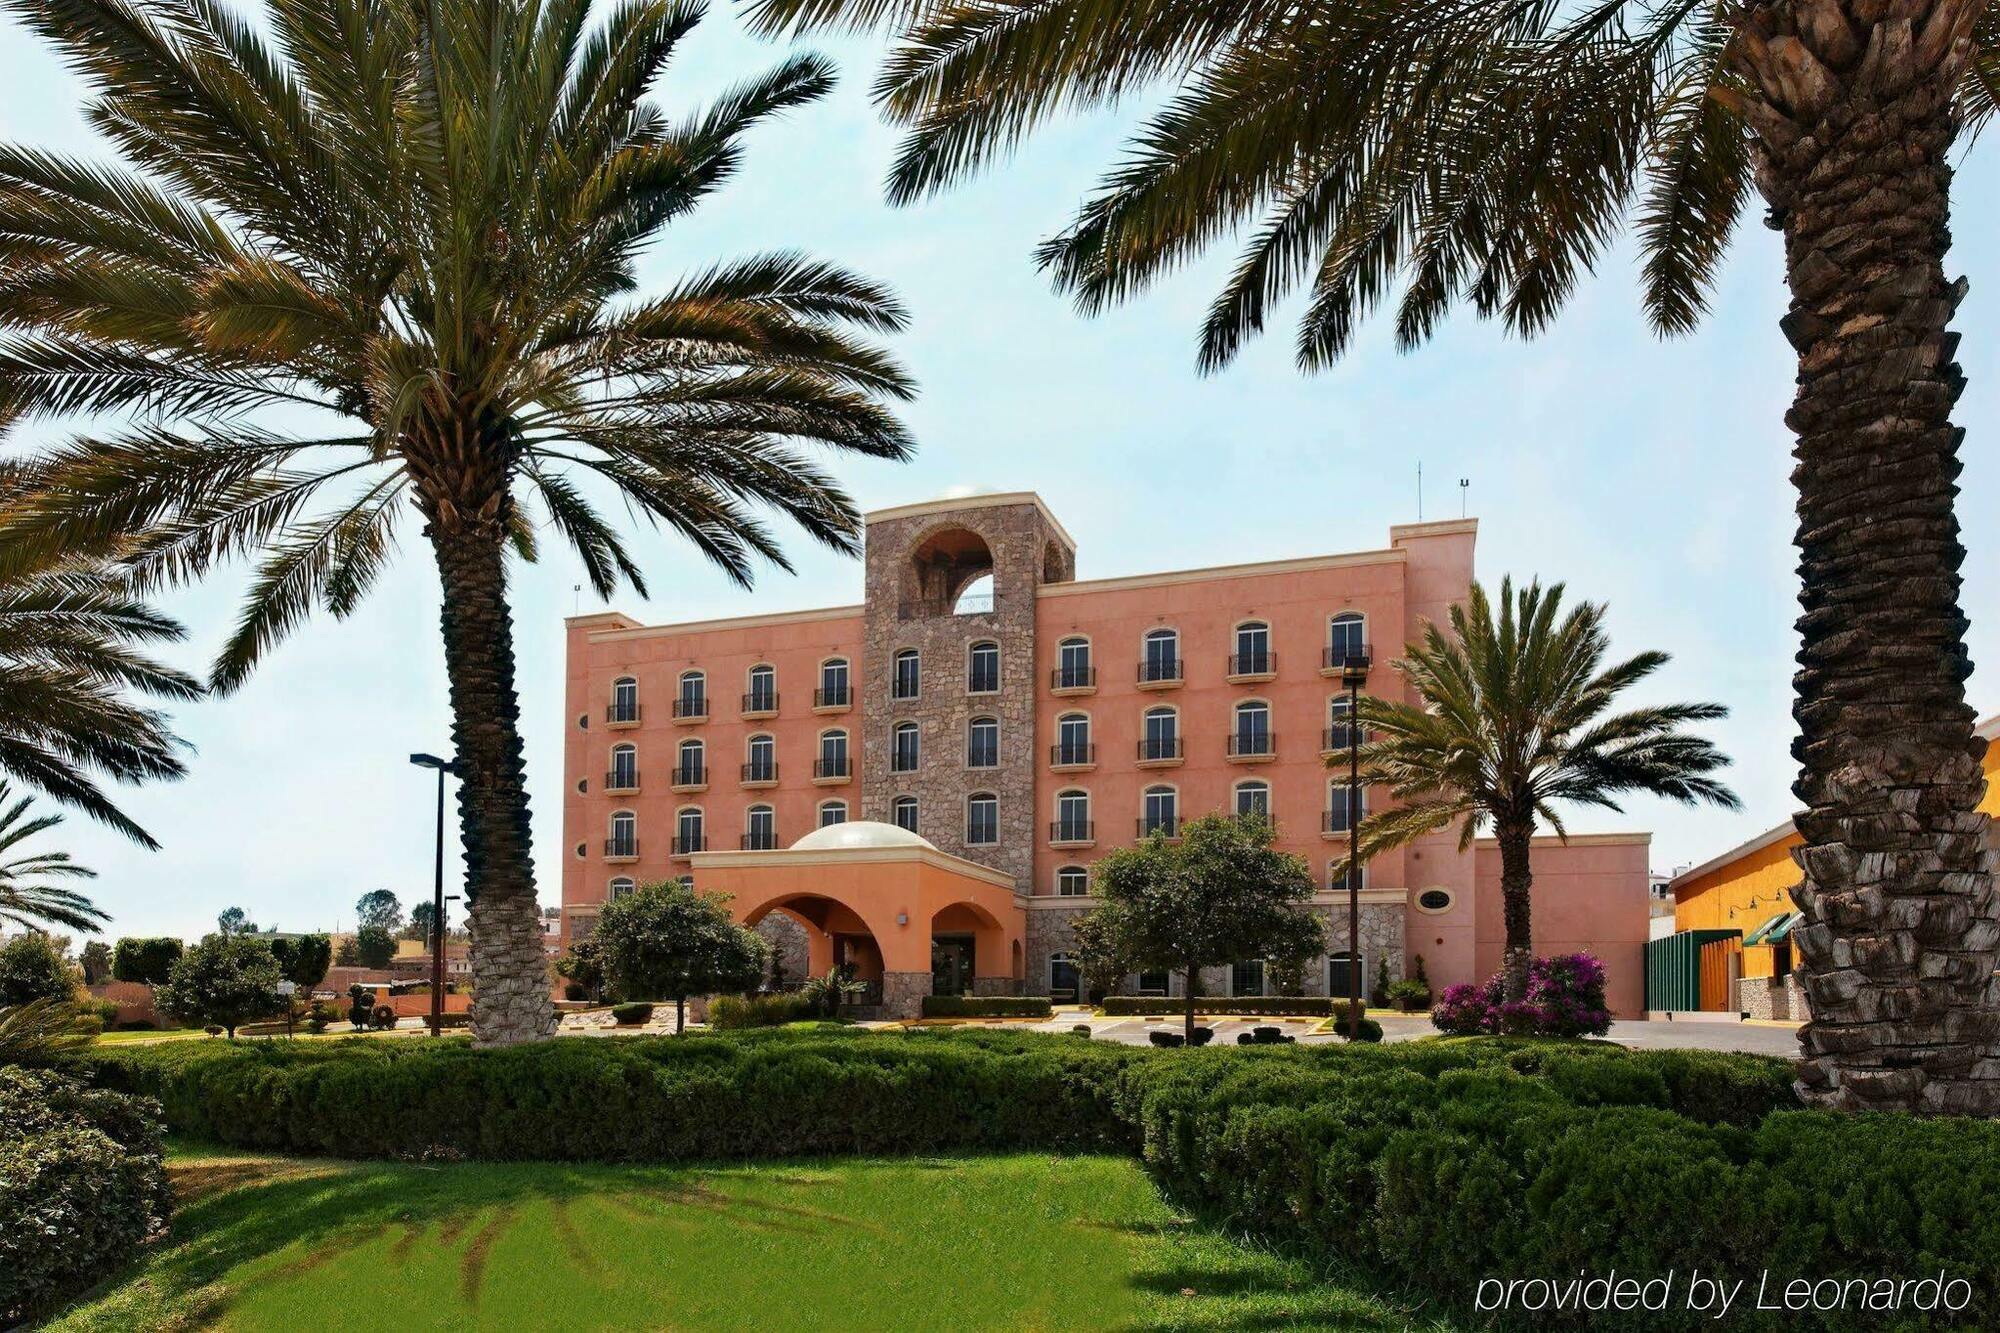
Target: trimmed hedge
730, 1013
985, 1006
1145, 1006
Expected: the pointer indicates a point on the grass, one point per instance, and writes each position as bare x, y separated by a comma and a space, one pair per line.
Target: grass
1025, 1242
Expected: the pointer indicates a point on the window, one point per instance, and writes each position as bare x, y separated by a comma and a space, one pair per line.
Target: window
760, 829
1162, 656
832, 691
903, 813
903, 748
624, 775
763, 756
763, 694
690, 771
1153, 983
982, 743
1072, 817
689, 835
903, 684
1343, 972
1160, 812
1338, 734
1247, 977
1073, 665
831, 813
982, 819
624, 700
1073, 740
621, 886
1434, 900
1347, 640
1339, 883
1072, 882
1252, 733
982, 669
1345, 806
832, 761
693, 698
1064, 981
1253, 798
624, 839
1162, 739
1253, 650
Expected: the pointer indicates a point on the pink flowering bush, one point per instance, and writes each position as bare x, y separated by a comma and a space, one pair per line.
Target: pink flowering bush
1565, 999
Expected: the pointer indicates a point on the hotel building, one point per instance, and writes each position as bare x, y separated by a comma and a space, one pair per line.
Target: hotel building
919, 784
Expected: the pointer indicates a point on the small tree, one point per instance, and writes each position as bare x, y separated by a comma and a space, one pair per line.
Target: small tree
583, 967
420, 922
346, 953
235, 921
374, 946
96, 961
304, 961
226, 979
665, 941
34, 966
148, 962
1095, 948
1220, 895
378, 908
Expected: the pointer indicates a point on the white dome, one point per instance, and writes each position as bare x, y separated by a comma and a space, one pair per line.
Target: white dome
858, 833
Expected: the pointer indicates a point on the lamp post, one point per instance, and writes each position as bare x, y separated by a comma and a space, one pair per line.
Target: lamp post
443, 766
1351, 676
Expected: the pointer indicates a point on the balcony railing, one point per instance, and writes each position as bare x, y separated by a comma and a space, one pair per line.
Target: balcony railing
903, 691
1337, 820
1160, 671
1072, 830
982, 682
1168, 825
621, 847
766, 841
1253, 664
1160, 747
689, 846
1252, 745
830, 768
834, 698
622, 780
691, 775
1073, 678
761, 772
1072, 755
622, 713
983, 756
761, 703
982, 835
902, 762
691, 708
1340, 737
1356, 657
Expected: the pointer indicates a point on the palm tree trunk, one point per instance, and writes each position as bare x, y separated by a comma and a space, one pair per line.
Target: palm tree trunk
1517, 881
1899, 939
510, 997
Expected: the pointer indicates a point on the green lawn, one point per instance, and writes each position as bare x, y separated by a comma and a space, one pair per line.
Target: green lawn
1016, 1242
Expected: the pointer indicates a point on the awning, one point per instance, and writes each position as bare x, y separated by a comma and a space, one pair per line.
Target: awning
1774, 930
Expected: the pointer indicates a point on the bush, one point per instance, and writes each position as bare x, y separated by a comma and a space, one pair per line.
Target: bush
733, 1012
631, 1015
146, 961
1565, 999
1409, 994
1366, 1030
34, 967
985, 1006
1144, 1006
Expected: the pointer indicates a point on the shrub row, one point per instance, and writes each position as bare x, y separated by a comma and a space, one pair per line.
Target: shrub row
985, 1006
733, 1013
1305, 1006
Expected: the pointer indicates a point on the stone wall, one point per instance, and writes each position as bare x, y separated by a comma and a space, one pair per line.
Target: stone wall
1774, 998
789, 956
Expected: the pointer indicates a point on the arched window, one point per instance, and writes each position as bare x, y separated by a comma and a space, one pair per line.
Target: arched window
622, 886
1072, 817
1072, 882
982, 819
693, 698
982, 743
903, 748
1160, 812
762, 756
1064, 982
624, 839
1160, 660
832, 691
1345, 806
624, 774
1073, 669
690, 832
1343, 972
907, 678
1347, 641
1162, 738
1253, 798
903, 813
1338, 736
691, 770
1246, 978
760, 829
832, 812
624, 700
982, 668
832, 761
1073, 740
1250, 736
1253, 656
762, 694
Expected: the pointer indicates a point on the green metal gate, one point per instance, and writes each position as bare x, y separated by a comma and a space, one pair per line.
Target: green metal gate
1673, 969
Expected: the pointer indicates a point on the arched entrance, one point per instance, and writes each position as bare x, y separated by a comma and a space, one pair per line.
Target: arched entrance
972, 952
836, 936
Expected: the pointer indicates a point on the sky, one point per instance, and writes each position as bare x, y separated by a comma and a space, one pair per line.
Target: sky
1649, 475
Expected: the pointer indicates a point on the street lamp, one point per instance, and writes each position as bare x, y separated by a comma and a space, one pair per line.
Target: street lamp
1353, 671
443, 766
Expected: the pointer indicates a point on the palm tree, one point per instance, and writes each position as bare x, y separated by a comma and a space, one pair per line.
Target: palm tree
380, 261
30, 894
1512, 721
1488, 152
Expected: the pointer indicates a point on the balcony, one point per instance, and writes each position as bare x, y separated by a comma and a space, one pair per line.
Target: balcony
1072, 833
761, 705
983, 756
1245, 668
685, 847
621, 715
1160, 674
691, 710
1159, 751
1167, 826
902, 762
764, 840
1068, 758
1335, 823
760, 775
620, 782
1254, 747
621, 849
983, 682
1073, 680
833, 701
1349, 661
1336, 740
690, 777
828, 771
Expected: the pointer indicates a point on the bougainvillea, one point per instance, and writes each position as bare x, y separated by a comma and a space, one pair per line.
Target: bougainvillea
1565, 999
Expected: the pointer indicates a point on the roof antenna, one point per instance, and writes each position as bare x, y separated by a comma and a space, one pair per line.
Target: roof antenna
1420, 490
576, 599
1464, 485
